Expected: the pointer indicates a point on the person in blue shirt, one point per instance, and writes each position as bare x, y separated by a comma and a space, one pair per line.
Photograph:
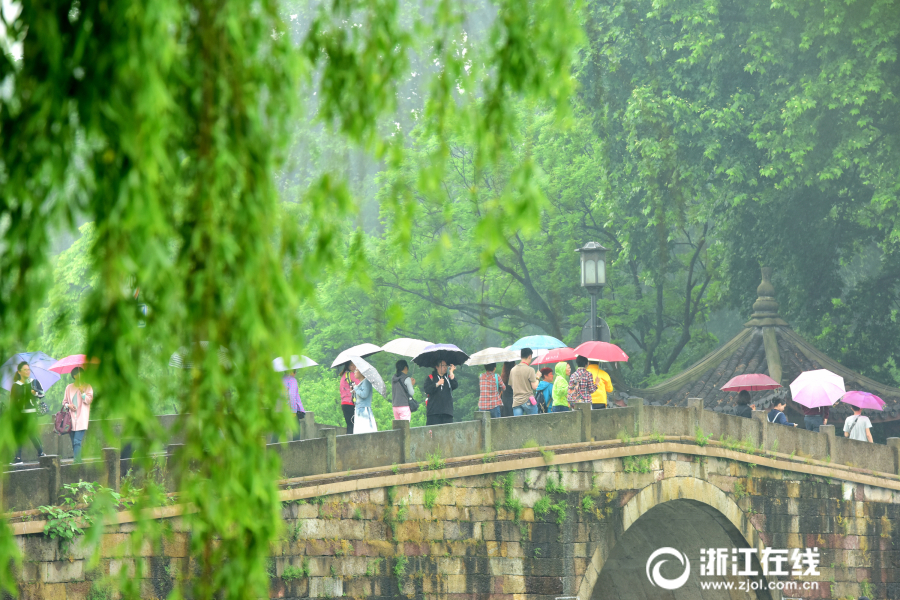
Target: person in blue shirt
776, 415
544, 390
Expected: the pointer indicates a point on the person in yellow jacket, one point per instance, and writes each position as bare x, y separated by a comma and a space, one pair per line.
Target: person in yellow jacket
604, 385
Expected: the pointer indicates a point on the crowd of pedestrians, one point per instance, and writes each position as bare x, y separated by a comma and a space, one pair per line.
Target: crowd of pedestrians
24, 398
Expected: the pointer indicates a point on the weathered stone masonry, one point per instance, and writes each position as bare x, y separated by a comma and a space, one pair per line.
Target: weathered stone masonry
459, 538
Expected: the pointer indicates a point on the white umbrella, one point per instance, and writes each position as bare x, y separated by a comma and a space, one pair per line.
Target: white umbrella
358, 350
405, 347
370, 373
297, 362
182, 358
493, 355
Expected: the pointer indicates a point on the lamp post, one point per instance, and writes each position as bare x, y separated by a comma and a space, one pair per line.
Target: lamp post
593, 278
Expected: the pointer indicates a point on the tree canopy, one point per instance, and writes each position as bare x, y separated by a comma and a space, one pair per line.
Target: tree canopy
284, 177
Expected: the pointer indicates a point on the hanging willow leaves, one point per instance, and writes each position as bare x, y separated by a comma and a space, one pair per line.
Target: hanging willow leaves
164, 123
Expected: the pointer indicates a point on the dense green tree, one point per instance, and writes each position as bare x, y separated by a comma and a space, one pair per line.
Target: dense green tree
164, 123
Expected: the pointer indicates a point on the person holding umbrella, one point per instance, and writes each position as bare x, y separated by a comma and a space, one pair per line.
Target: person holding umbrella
581, 383
603, 383
23, 398
77, 400
439, 388
350, 378
744, 408
858, 427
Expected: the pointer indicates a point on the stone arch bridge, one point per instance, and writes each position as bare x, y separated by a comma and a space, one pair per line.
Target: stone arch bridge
561, 505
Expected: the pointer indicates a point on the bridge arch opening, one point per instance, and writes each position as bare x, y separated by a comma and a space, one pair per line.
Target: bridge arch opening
687, 515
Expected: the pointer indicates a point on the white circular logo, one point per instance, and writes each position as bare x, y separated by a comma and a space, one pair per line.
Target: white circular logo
657, 579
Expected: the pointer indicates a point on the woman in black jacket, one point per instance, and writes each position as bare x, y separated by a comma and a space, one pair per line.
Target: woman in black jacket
439, 388
22, 398
744, 408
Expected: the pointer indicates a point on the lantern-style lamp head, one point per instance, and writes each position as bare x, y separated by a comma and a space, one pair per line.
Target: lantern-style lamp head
593, 266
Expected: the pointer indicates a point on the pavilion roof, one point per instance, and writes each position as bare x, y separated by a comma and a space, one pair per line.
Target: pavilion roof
767, 344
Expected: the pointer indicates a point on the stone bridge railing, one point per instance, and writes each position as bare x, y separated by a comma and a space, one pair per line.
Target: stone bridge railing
323, 451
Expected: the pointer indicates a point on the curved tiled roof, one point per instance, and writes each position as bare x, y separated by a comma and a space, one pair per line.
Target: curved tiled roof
788, 355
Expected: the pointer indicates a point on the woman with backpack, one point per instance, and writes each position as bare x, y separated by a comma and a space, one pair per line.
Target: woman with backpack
402, 391
77, 400
23, 398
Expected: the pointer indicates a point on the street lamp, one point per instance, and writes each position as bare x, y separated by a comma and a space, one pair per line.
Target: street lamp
593, 277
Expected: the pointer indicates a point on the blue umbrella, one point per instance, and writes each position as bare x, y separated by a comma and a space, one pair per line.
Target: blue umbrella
40, 365
537, 342
435, 353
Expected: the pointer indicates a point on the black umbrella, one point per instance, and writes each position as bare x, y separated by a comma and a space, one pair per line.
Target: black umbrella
435, 353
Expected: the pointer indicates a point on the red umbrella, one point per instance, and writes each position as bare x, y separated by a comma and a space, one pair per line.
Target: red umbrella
68, 363
752, 382
601, 351
556, 355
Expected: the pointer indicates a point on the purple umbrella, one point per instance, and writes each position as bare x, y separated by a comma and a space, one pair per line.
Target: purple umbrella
435, 353
40, 365
817, 388
863, 400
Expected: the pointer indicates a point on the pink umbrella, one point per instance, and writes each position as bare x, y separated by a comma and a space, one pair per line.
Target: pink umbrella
556, 355
68, 363
817, 388
601, 351
751, 382
863, 400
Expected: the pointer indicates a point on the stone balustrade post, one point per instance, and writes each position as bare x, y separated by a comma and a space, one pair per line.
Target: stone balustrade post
330, 450
584, 410
51, 463
894, 444
696, 405
172, 452
638, 405
401, 426
113, 463
485, 418
759, 416
308, 427
831, 441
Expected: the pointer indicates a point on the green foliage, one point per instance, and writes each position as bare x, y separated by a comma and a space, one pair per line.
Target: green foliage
400, 563
560, 509
701, 439
82, 505
638, 464
624, 437
542, 506
372, 567
555, 486
435, 462
291, 572
657, 437
101, 590
738, 490
588, 504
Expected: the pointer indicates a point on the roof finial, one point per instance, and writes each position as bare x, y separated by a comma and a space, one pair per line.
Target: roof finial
765, 309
